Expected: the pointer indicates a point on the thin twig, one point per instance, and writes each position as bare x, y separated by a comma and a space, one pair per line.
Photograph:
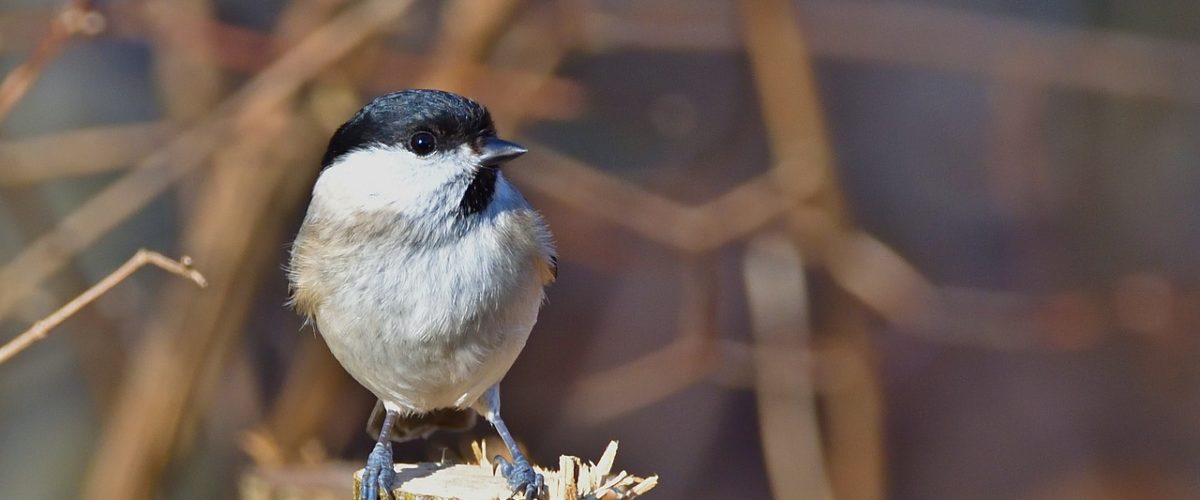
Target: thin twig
39, 330
77, 17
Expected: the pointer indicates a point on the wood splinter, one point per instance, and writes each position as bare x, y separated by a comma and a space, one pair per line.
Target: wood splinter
573, 480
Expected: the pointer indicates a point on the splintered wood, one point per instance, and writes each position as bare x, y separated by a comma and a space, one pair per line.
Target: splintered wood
574, 480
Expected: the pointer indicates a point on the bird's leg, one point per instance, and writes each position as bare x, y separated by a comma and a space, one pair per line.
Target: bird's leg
519, 473
378, 475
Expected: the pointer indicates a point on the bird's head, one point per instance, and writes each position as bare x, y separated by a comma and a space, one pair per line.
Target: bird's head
425, 150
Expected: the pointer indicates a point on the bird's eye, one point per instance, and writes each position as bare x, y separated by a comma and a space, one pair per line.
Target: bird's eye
422, 143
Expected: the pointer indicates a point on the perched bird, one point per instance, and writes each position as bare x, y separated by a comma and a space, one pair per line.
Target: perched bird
421, 266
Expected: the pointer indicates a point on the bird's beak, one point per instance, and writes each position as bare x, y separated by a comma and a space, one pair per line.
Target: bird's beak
494, 152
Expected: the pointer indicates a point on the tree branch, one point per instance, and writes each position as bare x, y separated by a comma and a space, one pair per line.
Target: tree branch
39, 330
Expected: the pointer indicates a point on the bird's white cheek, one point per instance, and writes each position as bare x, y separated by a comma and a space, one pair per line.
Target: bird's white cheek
378, 179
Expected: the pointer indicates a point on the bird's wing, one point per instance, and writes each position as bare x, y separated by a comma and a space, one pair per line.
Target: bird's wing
305, 284
549, 254
549, 269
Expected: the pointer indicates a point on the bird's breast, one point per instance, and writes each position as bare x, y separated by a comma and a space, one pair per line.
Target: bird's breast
426, 325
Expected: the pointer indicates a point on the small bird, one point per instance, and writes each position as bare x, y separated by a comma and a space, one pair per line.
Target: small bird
422, 266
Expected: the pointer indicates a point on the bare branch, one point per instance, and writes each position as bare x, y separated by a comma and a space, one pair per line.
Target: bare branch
78, 17
39, 330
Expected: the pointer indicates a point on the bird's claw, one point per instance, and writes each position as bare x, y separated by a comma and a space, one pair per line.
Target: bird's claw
521, 476
378, 475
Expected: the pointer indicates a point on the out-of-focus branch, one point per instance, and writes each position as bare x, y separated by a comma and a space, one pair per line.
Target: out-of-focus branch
468, 35
788, 98
78, 152
39, 330
698, 229
25, 28
77, 18
243, 50
792, 108
777, 292
580, 186
692, 356
921, 35
887, 33
535, 47
188, 79
155, 173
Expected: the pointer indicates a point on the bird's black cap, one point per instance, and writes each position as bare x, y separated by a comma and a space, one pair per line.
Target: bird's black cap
394, 118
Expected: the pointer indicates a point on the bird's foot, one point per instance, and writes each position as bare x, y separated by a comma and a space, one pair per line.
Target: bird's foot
378, 476
521, 476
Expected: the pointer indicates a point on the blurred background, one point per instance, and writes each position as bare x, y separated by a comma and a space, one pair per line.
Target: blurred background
904, 249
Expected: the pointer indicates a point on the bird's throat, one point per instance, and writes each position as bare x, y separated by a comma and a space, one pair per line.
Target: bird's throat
479, 192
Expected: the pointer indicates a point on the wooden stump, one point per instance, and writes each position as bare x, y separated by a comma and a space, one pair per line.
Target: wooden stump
573, 480
428, 480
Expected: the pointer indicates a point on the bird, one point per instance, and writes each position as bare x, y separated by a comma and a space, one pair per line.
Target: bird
422, 266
